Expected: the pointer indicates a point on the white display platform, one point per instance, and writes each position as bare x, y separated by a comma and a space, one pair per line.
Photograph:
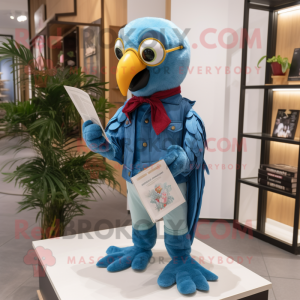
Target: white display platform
75, 276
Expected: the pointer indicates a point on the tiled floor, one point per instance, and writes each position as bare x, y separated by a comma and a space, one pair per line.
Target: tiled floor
16, 278
272, 263
18, 283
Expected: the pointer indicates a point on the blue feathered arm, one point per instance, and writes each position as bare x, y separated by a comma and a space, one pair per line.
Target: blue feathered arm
92, 134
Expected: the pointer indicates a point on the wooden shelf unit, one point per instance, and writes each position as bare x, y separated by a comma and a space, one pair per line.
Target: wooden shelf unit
274, 204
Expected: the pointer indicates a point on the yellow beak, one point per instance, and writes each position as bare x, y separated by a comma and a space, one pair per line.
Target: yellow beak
128, 66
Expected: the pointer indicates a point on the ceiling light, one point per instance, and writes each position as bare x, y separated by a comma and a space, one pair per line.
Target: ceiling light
289, 9
21, 18
12, 17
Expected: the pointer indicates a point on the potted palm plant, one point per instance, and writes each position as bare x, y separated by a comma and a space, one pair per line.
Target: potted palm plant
56, 180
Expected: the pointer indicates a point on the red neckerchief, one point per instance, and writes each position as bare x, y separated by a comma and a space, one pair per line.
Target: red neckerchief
160, 119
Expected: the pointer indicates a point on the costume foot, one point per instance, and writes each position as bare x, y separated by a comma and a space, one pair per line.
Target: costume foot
136, 256
119, 259
187, 273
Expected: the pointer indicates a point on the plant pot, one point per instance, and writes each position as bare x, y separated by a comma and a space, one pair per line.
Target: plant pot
276, 69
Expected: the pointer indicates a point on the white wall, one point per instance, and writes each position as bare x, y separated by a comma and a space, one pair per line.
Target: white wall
7, 31
141, 8
12, 7
15, 32
217, 94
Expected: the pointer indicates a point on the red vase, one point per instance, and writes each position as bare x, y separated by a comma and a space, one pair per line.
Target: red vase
276, 69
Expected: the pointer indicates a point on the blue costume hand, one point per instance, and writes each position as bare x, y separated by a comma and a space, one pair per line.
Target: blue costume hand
187, 273
177, 160
119, 259
92, 134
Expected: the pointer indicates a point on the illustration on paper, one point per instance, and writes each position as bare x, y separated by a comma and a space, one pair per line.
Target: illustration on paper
161, 195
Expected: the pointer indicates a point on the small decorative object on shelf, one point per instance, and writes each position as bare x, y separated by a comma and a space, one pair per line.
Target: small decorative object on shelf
62, 59
282, 177
279, 65
286, 123
276, 80
281, 169
275, 177
277, 186
294, 74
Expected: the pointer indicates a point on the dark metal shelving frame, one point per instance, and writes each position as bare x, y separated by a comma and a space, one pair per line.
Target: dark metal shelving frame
272, 6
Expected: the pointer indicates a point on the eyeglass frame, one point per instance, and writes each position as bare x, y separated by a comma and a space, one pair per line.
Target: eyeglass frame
138, 52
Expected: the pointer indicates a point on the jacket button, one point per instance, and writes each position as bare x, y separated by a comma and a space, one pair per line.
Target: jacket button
146, 121
127, 122
129, 173
173, 127
144, 144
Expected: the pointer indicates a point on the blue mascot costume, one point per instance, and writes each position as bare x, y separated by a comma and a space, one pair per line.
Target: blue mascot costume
156, 123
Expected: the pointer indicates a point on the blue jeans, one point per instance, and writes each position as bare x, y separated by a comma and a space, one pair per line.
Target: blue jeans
175, 221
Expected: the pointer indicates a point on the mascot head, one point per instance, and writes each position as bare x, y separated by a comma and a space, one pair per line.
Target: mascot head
153, 54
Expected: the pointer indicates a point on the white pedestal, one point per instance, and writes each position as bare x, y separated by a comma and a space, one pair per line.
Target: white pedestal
75, 276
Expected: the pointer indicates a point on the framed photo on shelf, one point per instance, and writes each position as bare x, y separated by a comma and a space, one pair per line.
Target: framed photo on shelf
89, 42
40, 18
286, 123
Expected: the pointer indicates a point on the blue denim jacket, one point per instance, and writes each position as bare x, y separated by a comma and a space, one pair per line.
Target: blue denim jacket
128, 139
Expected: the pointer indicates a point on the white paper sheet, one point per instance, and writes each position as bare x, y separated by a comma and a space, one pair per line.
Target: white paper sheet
85, 107
158, 190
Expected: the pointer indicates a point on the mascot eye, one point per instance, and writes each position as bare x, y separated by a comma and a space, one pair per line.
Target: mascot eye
148, 54
119, 48
152, 52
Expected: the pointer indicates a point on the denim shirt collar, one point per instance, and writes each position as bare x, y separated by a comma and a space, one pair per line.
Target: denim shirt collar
176, 99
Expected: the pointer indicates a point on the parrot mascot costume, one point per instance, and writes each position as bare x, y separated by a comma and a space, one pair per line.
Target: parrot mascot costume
156, 123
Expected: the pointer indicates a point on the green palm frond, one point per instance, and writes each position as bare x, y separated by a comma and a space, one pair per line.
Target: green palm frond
12, 49
55, 180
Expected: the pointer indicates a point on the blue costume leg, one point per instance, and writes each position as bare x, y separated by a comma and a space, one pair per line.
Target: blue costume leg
182, 269
143, 237
176, 220
139, 216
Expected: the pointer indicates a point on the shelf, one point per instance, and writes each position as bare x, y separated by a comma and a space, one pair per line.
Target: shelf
254, 182
267, 238
272, 4
280, 231
272, 86
277, 230
268, 137
252, 198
